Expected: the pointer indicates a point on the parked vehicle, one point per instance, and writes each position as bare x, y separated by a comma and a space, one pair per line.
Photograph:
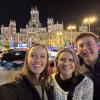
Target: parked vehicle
13, 59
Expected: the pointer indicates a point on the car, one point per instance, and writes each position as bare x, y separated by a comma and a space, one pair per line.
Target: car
13, 59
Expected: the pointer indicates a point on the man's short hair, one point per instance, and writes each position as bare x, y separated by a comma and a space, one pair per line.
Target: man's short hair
87, 34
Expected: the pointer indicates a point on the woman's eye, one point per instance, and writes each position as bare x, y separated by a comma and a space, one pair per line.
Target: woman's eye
71, 60
42, 56
62, 59
33, 55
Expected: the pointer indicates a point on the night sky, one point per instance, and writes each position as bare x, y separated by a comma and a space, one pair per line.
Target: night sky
68, 11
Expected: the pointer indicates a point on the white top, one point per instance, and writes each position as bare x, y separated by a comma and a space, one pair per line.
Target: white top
83, 91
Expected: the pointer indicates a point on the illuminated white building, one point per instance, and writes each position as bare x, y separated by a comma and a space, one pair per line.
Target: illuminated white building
52, 35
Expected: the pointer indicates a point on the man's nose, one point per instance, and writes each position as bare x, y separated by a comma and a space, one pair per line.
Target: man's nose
86, 48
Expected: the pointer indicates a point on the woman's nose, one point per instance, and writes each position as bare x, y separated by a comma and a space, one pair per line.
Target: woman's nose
37, 58
66, 62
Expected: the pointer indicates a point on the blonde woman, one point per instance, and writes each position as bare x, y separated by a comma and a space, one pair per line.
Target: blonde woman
32, 83
68, 83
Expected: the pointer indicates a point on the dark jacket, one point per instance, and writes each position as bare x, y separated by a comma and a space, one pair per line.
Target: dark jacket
20, 89
94, 74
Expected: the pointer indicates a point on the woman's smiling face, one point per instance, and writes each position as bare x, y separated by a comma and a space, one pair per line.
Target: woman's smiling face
37, 59
66, 65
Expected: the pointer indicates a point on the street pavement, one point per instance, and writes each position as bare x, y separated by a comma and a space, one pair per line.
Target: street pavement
7, 75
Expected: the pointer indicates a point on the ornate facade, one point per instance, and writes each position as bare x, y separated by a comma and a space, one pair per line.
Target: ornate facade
52, 35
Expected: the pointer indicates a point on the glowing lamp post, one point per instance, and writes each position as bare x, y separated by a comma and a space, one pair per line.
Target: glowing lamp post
89, 21
72, 28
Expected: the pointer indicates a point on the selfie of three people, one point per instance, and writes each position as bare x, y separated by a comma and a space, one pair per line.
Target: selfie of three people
76, 76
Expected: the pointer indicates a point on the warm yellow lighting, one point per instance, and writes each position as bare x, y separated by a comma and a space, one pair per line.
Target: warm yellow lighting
85, 21
92, 19
89, 21
59, 33
71, 27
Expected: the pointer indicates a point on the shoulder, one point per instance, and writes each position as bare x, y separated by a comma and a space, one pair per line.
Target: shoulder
11, 85
16, 89
20, 89
8, 91
87, 80
85, 83
16, 85
84, 90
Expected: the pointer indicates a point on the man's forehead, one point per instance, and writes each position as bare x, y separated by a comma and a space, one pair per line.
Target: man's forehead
87, 39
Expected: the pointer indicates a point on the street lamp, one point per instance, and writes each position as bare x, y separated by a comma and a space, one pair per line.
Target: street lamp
89, 21
72, 29
59, 33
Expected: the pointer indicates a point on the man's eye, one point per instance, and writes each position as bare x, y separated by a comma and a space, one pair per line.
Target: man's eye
81, 45
90, 44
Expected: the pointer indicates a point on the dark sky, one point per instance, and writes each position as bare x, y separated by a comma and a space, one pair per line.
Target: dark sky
68, 11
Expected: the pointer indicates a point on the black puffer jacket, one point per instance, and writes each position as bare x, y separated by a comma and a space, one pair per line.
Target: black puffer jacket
20, 89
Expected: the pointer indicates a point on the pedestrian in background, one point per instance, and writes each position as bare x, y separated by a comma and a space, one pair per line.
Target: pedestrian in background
32, 83
68, 83
87, 50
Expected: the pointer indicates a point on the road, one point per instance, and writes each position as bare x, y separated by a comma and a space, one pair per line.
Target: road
8, 75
